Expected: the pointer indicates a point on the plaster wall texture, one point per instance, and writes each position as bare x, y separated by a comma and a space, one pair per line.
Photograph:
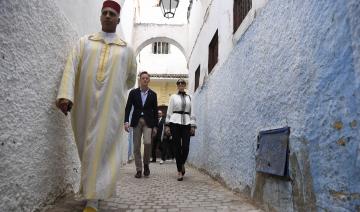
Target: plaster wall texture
39, 159
205, 18
127, 17
38, 156
84, 17
297, 65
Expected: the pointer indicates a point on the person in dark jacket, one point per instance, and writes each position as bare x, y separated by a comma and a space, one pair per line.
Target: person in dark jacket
158, 138
143, 121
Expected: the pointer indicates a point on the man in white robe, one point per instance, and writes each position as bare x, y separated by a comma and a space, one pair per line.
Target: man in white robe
98, 72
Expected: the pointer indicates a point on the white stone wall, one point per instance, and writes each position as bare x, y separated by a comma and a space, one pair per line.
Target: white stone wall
38, 156
127, 17
205, 18
297, 65
84, 17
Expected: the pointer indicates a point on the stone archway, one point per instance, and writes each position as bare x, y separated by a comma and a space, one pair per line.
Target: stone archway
162, 83
145, 34
159, 39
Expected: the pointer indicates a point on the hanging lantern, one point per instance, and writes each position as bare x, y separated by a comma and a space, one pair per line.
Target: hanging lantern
169, 7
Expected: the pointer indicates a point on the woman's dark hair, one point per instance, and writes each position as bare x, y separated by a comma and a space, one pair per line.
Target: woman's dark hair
180, 81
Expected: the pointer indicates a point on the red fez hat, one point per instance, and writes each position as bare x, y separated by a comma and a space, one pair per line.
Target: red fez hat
112, 4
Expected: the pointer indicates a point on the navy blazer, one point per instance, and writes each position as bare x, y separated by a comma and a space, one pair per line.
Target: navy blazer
149, 109
160, 126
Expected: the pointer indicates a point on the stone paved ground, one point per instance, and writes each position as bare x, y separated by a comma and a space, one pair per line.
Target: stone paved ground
162, 192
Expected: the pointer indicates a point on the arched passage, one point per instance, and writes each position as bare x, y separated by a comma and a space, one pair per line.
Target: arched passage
164, 75
145, 34
159, 39
165, 67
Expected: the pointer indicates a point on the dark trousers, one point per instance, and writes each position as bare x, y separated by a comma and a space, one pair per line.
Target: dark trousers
181, 141
154, 145
167, 151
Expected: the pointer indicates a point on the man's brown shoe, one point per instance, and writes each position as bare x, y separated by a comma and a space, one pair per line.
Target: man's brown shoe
138, 174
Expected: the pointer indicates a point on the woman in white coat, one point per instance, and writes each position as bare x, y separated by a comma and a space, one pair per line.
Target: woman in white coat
181, 124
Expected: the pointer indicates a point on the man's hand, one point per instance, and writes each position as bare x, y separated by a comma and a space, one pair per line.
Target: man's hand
63, 105
192, 131
167, 130
153, 133
126, 126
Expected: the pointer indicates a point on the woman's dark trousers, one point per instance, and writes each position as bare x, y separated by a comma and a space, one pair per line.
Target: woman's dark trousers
181, 141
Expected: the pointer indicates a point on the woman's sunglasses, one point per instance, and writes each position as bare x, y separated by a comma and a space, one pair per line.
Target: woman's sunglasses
181, 82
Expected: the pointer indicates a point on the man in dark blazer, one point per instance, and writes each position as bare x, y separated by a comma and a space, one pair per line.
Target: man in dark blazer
157, 140
143, 121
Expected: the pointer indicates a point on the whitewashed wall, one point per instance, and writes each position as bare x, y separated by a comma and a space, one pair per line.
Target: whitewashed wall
297, 65
206, 17
84, 17
127, 17
38, 156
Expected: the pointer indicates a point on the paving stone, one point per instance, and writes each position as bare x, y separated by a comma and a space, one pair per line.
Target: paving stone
161, 192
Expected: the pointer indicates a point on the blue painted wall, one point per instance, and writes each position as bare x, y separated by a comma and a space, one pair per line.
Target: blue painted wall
298, 66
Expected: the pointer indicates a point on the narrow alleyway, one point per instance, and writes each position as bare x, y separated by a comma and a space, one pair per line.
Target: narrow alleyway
162, 192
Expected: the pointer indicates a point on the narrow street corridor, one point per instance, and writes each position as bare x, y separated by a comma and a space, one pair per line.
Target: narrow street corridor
260, 99
162, 192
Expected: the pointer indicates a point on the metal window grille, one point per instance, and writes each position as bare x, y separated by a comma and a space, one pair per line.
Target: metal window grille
160, 48
154, 48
